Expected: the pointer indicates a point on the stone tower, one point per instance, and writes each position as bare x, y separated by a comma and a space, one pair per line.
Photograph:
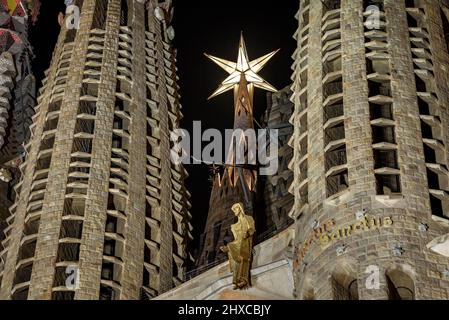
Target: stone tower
371, 149
17, 96
101, 211
277, 199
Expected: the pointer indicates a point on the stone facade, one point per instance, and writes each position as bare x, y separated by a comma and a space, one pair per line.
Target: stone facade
102, 213
278, 202
370, 149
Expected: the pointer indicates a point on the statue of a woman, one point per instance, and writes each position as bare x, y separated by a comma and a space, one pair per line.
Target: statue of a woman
240, 250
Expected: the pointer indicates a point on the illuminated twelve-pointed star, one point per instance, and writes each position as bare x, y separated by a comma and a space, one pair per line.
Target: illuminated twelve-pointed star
243, 67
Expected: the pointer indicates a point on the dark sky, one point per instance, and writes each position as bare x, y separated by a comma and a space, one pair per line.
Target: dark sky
211, 26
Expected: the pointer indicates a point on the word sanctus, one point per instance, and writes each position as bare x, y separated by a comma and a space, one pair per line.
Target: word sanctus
328, 233
363, 225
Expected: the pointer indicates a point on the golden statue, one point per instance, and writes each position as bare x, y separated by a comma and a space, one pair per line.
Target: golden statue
240, 250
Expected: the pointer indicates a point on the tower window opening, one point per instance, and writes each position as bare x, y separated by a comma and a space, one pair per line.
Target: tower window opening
27, 250
107, 293
74, 207
147, 19
329, 5
334, 134
400, 286
303, 170
48, 143
51, 124
421, 86
436, 206
388, 184
337, 183
70, 35
383, 134
60, 277
121, 105
411, 21
124, 13
445, 20
71, 229
99, 17
111, 271
375, 89
116, 203
21, 294
336, 158
82, 145
23, 274
43, 162
87, 107
385, 159
344, 287
426, 130
31, 227
63, 295
109, 247
424, 108
68, 252
433, 180
89, 89
411, 4
333, 111
430, 154
54, 106
332, 66
377, 3
383, 111
84, 126
148, 233
332, 88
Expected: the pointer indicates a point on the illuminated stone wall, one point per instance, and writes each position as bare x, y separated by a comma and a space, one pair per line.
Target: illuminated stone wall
99, 195
371, 142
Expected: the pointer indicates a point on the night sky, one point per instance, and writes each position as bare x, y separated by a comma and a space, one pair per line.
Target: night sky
213, 27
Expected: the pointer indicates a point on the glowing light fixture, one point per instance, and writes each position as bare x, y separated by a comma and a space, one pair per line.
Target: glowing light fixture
243, 68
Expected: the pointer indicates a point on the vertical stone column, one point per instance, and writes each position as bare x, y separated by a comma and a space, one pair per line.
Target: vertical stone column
406, 112
356, 106
135, 229
50, 223
316, 170
166, 248
440, 55
91, 249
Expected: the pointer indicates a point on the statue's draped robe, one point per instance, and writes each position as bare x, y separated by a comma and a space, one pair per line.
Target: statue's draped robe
240, 251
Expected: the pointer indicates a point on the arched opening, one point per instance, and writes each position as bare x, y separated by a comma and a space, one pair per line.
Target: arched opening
344, 283
400, 285
344, 288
